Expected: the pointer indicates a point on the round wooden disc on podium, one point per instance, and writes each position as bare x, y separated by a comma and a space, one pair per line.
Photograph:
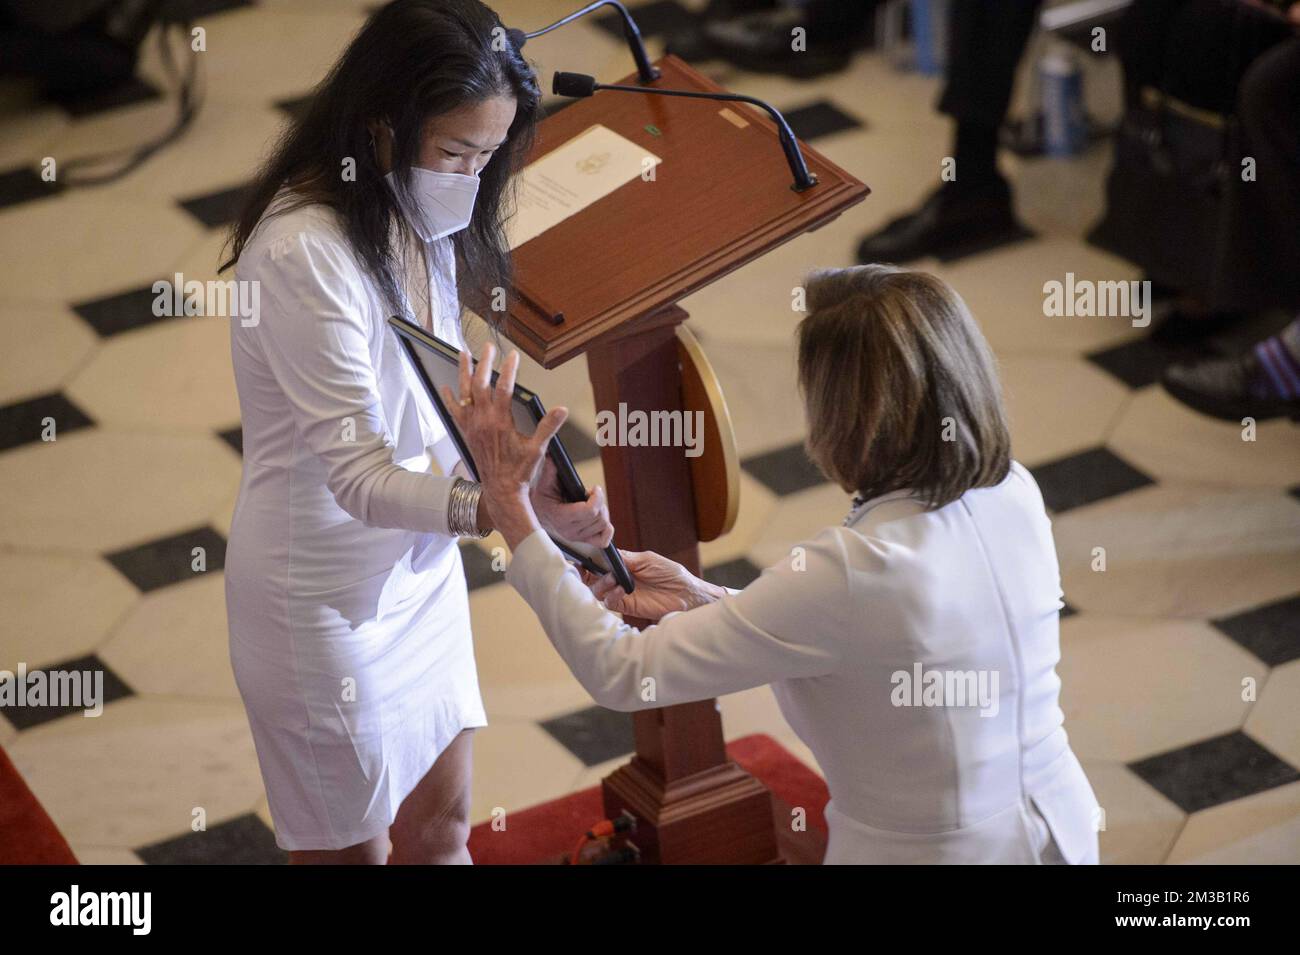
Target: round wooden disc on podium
715, 473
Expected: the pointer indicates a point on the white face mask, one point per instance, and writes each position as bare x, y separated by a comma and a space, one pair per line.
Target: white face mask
444, 200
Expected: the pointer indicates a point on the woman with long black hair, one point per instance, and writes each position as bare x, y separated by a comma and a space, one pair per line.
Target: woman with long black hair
349, 616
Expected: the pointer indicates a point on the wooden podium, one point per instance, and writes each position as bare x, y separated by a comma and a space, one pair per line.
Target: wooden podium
605, 283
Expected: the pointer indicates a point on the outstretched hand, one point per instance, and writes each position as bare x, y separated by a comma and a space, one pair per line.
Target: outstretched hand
508, 460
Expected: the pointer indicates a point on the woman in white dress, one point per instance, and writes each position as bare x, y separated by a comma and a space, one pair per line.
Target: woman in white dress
913, 647
348, 608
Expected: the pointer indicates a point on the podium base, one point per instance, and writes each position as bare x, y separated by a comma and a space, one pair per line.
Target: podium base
720, 816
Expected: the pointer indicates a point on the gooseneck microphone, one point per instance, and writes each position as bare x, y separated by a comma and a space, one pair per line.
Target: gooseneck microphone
647, 73
581, 85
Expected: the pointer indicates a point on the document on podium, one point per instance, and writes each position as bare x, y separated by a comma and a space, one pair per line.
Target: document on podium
571, 177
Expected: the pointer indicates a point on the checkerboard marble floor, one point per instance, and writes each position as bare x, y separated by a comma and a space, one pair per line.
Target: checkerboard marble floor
1181, 660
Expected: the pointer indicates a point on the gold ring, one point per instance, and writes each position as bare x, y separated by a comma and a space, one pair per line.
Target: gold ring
466, 402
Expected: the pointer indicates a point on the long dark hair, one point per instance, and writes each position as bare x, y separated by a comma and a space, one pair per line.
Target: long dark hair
413, 60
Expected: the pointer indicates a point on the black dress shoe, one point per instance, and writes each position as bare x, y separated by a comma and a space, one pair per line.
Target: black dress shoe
946, 221
692, 45
760, 42
1227, 388
1182, 327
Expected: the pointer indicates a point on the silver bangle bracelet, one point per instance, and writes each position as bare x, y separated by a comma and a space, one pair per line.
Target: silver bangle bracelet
462, 509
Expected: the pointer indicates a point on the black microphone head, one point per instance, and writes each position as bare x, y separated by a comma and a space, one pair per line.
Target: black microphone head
517, 37
573, 84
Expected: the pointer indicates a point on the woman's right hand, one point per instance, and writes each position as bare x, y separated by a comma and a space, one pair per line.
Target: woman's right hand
662, 586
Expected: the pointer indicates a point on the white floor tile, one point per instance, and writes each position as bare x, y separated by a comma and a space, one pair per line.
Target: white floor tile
135, 774
43, 346
180, 373
1115, 670
1263, 829
1275, 719
174, 642
1172, 443
1181, 551
94, 491
58, 607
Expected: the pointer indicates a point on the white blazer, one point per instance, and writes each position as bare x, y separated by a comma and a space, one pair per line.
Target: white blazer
918, 771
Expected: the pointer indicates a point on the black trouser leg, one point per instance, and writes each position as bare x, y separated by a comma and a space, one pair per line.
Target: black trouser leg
986, 39
1260, 261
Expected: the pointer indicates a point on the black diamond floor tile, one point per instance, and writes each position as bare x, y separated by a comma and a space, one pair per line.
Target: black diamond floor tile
23, 185
785, 471
819, 119
121, 312
1295, 492
245, 840
1068, 611
1214, 771
736, 574
655, 18
594, 735
1086, 478
1271, 632
170, 560
26, 421
479, 571
89, 102
1140, 362
578, 443
73, 684
217, 208
233, 437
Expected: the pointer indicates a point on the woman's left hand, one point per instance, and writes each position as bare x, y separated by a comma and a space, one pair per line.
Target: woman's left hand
508, 462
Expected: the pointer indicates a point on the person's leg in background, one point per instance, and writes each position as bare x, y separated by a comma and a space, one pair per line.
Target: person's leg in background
1262, 251
986, 41
1262, 254
1200, 53
1262, 383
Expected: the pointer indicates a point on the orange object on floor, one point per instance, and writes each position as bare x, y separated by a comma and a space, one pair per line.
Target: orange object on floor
27, 834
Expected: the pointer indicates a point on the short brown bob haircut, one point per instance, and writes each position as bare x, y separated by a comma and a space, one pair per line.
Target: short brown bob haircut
899, 386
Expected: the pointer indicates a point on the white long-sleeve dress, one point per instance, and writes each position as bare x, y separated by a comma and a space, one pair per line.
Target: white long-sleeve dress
968, 589
348, 609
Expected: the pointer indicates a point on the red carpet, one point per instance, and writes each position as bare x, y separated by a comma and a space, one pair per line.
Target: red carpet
542, 833
27, 835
